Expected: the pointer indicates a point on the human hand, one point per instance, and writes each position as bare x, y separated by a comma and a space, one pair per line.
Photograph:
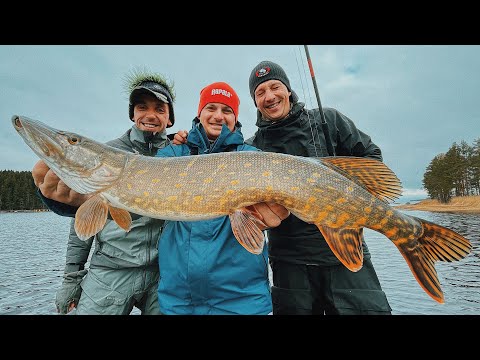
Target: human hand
39, 171
53, 188
65, 311
66, 298
180, 137
269, 213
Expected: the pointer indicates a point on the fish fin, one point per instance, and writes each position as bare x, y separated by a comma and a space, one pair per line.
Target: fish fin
376, 177
246, 229
436, 243
91, 217
346, 244
121, 217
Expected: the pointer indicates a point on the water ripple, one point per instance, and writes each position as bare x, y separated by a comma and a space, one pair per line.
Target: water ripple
459, 280
34, 245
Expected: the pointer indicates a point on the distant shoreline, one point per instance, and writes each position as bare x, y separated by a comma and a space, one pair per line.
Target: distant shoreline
23, 211
458, 204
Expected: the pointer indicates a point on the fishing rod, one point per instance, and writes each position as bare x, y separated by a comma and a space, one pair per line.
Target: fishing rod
328, 141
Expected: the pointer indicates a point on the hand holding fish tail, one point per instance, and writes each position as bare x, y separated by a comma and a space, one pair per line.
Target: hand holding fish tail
52, 187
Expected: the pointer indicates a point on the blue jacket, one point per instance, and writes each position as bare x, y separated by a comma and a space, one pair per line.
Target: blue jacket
203, 268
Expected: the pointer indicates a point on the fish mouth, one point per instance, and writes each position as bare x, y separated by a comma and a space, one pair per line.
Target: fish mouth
39, 137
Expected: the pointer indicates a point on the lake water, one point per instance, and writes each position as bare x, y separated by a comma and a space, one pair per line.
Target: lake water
34, 245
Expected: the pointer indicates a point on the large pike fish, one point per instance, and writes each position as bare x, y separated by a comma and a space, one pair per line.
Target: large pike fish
341, 195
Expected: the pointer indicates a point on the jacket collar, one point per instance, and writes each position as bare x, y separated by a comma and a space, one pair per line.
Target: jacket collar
145, 138
291, 117
198, 138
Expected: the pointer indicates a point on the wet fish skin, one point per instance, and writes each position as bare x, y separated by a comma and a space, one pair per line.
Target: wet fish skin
341, 195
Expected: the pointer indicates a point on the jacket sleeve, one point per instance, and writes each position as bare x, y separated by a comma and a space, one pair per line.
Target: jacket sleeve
77, 255
350, 141
58, 207
77, 251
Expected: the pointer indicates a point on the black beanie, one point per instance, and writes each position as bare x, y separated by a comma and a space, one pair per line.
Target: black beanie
267, 70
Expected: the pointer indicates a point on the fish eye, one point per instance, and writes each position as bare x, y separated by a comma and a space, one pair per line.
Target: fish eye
72, 140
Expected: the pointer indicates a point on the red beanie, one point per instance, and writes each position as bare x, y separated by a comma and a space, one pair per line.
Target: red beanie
219, 92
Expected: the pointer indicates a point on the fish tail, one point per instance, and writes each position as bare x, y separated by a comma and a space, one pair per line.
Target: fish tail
436, 243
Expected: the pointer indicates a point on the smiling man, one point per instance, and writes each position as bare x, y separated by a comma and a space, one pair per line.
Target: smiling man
308, 279
123, 269
150, 107
203, 268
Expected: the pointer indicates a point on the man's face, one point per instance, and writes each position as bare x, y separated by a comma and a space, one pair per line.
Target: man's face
213, 116
273, 100
151, 114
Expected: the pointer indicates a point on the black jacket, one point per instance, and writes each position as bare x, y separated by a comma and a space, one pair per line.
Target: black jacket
300, 133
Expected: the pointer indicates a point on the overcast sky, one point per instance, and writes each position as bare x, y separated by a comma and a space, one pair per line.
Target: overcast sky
415, 101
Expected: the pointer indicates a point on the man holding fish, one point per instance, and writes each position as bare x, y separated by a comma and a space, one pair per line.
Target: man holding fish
307, 276
318, 255
123, 269
204, 270
308, 279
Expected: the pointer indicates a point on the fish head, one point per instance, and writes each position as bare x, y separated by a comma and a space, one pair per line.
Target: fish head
83, 164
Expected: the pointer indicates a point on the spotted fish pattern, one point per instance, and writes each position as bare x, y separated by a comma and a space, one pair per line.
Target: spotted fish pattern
340, 195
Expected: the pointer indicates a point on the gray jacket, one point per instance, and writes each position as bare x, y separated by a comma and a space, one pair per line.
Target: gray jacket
115, 249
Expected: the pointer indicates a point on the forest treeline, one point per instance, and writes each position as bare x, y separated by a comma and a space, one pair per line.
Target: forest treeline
18, 191
454, 173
